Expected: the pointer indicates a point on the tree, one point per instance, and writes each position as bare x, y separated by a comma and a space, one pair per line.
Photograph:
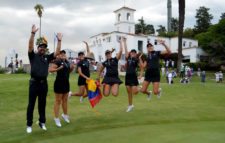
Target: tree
213, 42
150, 29
174, 29
174, 24
168, 34
180, 32
161, 30
39, 9
222, 16
203, 20
143, 28
188, 33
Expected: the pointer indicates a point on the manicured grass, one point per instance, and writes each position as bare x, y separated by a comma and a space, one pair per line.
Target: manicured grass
186, 113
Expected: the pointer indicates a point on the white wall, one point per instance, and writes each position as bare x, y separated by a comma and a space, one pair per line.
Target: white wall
192, 52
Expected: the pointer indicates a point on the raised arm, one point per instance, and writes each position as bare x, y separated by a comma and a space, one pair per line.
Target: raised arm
59, 38
167, 51
125, 48
88, 49
31, 40
113, 49
119, 54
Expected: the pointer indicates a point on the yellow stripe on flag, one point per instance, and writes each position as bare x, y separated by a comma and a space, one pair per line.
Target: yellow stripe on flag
91, 85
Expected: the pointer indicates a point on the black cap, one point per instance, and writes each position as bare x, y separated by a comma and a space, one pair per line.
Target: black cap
133, 51
107, 52
80, 53
62, 52
149, 45
42, 41
43, 45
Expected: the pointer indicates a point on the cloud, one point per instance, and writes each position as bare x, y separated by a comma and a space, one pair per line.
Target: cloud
79, 20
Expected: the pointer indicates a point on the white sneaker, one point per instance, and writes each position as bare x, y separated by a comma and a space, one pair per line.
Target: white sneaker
81, 99
57, 122
42, 126
149, 96
130, 107
66, 118
70, 94
160, 93
29, 129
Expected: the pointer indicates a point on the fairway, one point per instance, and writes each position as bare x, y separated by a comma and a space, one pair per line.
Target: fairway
191, 113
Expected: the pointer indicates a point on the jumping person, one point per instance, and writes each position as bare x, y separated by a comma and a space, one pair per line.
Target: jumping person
84, 74
131, 78
38, 86
111, 79
61, 86
152, 73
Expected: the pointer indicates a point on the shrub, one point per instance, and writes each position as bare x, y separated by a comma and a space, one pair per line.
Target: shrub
2, 70
203, 66
20, 70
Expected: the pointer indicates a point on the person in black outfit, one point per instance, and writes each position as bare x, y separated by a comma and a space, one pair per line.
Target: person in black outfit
84, 73
131, 78
61, 86
152, 73
38, 86
111, 79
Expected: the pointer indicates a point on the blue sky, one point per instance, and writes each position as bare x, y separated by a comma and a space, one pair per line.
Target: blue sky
78, 20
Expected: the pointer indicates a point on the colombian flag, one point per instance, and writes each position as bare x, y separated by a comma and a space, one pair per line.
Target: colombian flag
94, 92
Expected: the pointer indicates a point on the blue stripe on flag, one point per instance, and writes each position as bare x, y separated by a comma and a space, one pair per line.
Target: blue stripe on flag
93, 94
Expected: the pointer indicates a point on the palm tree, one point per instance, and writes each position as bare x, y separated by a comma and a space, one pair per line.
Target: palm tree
142, 28
39, 9
180, 33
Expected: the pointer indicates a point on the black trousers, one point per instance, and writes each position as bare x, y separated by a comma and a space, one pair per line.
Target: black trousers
37, 88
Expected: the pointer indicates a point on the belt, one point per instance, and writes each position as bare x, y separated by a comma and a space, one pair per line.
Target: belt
38, 80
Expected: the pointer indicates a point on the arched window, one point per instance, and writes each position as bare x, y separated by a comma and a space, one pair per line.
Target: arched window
128, 16
119, 17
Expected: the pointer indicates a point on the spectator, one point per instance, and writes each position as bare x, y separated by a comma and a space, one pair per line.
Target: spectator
163, 71
199, 72
220, 77
170, 77
203, 76
217, 77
